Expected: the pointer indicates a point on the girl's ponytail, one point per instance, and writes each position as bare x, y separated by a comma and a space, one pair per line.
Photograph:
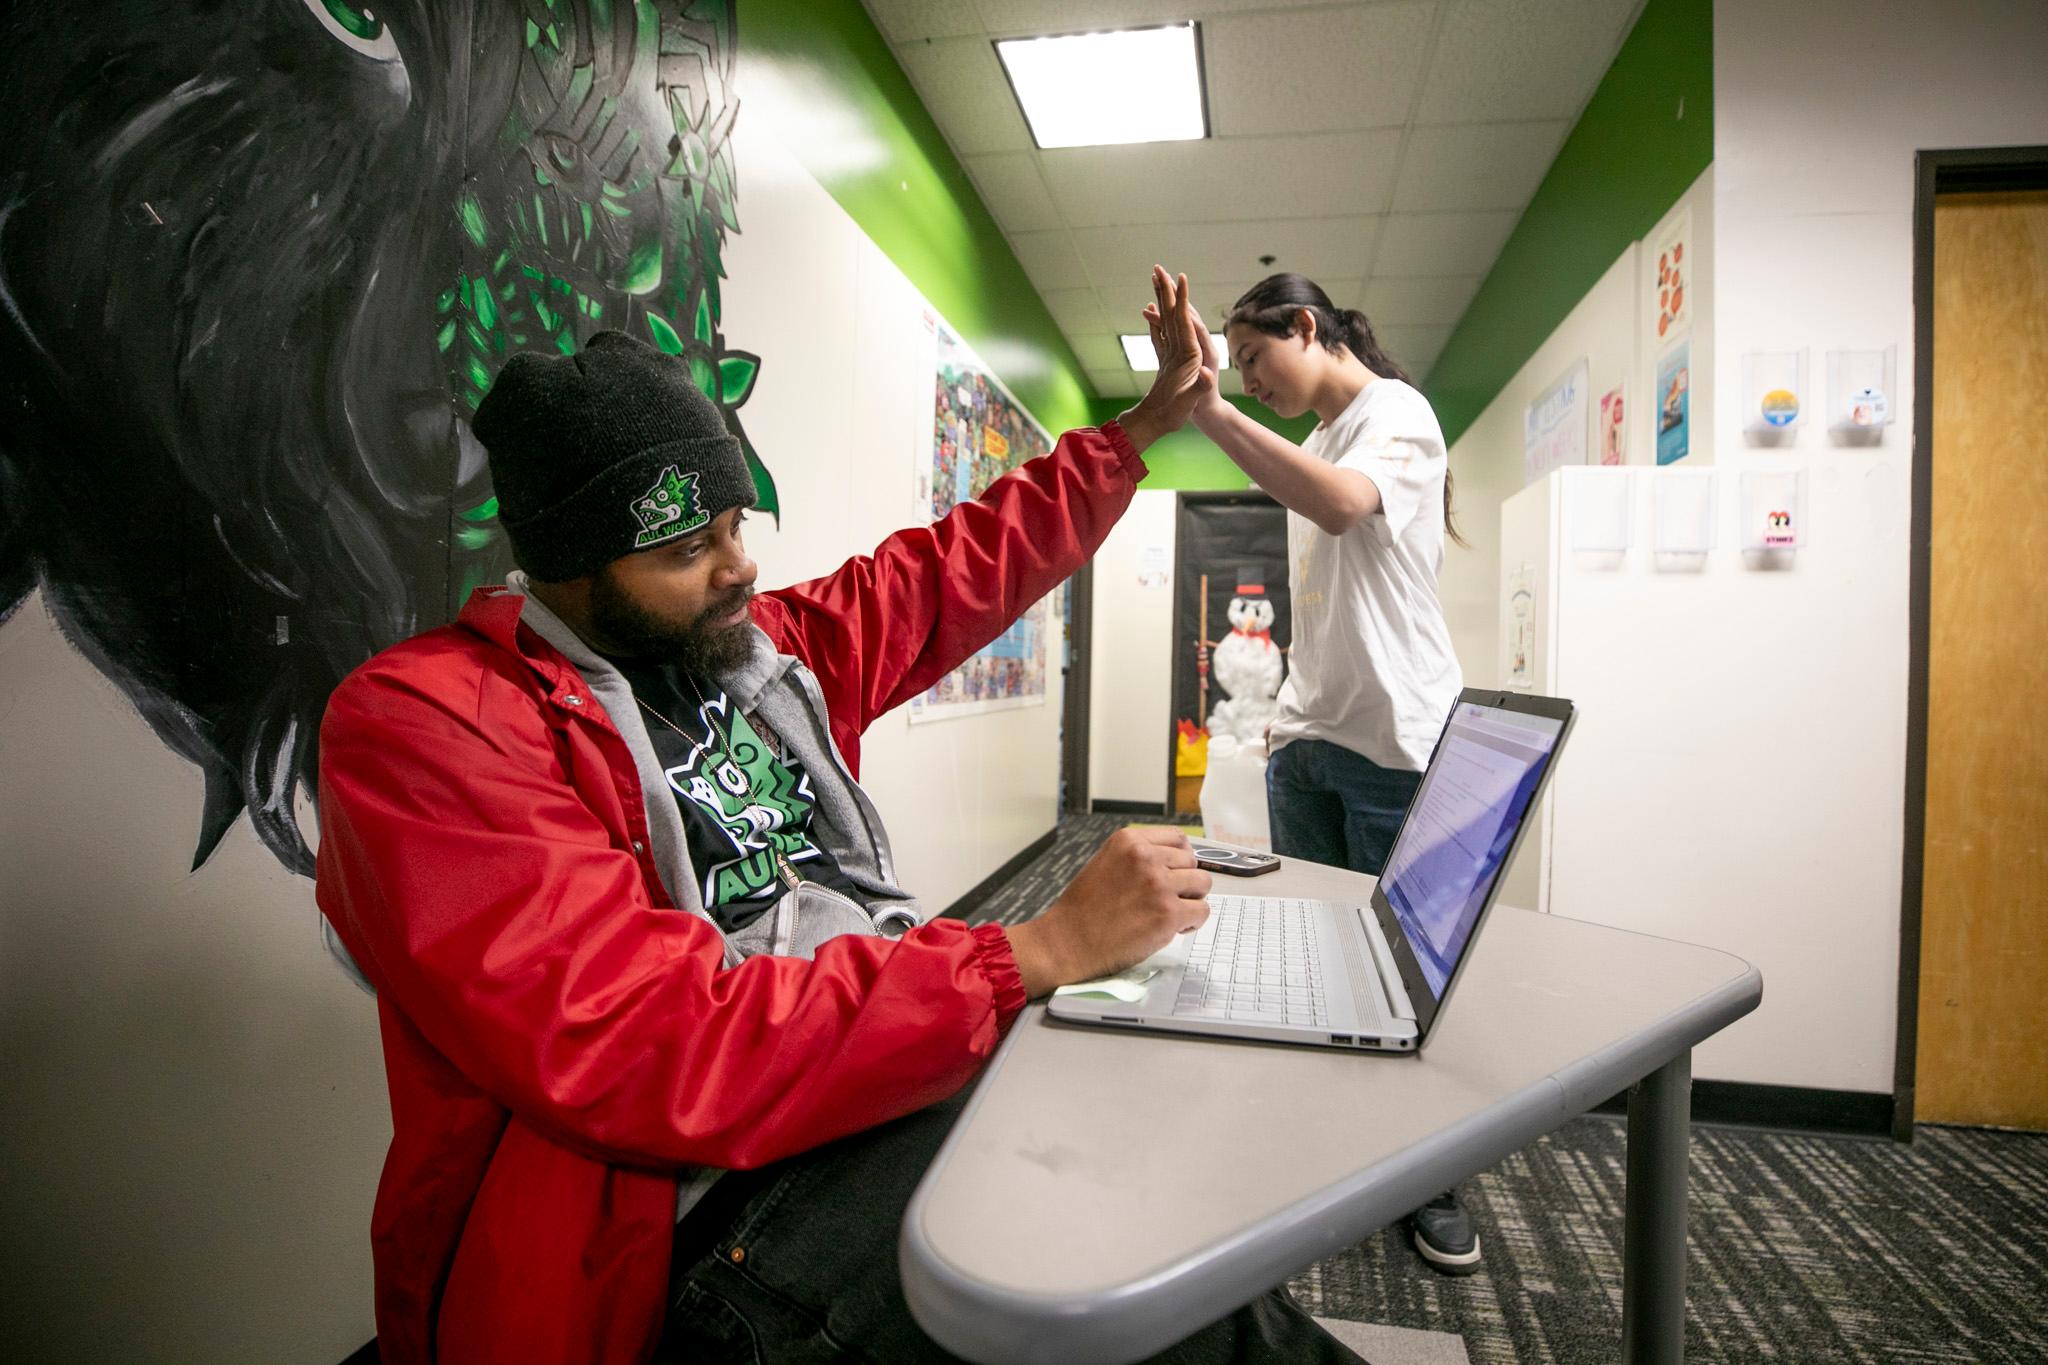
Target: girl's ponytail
1358, 336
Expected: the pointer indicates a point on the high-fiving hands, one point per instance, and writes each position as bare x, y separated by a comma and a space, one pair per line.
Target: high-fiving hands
1187, 363
1174, 299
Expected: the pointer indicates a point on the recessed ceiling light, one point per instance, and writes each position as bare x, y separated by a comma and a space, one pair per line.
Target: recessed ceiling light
1138, 350
1093, 89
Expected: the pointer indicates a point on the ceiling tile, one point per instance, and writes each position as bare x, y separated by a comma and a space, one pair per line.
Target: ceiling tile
1116, 383
1509, 59
1313, 176
1011, 187
1049, 259
962, 85
1098, 350
1331, 248
1442, 243
1315, 69
1475, 166
1438, 299
903, 21
1415, 349
1077, 311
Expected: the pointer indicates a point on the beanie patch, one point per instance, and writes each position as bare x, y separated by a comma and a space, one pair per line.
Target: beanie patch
669, 509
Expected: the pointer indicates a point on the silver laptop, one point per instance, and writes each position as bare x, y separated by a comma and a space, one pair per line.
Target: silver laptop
1374, 975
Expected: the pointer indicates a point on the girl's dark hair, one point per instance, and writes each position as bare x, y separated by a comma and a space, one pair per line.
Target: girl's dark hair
1273, 306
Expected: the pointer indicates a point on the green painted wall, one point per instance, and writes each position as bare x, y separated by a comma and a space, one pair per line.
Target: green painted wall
826, 81
1644, 137
1189, 460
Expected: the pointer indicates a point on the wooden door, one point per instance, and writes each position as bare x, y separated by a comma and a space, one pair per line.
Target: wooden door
1983, 1018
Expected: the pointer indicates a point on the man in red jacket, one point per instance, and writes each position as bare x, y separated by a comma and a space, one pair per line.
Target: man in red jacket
642, 966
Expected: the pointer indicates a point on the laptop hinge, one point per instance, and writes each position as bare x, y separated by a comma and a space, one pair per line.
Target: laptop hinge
1383, 958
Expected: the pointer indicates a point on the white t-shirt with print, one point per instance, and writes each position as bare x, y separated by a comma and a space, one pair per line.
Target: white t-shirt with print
1371, 666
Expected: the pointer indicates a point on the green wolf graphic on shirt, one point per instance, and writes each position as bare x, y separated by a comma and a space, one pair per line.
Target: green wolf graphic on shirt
763, 805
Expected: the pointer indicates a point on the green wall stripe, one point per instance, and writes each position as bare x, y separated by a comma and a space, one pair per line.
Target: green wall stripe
904, 188
1645, 136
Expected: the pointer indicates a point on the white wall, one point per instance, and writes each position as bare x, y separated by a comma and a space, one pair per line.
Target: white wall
1818, 111
1130, 686
194, 1094
1765, 816
807, 287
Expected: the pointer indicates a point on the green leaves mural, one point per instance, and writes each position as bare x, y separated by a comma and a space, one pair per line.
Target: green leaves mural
310, 234
589, 224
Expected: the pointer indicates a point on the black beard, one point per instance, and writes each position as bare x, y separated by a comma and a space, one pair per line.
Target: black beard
697, 647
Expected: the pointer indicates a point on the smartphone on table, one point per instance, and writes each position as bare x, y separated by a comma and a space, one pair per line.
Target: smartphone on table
1235, 862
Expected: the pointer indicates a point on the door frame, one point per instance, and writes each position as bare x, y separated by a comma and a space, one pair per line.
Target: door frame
1938, 172
1074, 713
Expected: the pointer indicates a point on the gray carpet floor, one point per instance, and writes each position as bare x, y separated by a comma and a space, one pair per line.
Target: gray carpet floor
1802, 1248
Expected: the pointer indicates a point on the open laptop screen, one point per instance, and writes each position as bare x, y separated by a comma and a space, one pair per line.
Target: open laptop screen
1460, 827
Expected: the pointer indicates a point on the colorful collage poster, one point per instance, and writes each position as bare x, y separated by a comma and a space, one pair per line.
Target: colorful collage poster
1674, 403
979, 433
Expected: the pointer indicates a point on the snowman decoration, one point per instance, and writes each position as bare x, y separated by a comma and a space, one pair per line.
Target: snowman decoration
1246, 664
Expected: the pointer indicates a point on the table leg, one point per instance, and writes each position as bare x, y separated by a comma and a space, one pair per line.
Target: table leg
1653, 1247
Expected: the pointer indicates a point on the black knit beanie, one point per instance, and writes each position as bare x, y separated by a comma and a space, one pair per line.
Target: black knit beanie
602, 453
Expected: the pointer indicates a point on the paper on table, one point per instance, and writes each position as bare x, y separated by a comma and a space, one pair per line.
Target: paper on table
1128, 986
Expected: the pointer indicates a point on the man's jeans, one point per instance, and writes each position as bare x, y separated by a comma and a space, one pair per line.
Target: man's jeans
1332, 806
806, 1271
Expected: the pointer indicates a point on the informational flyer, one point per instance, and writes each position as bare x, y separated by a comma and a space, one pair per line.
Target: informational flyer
1674, 404
1521, 629
979, 432
1554, 426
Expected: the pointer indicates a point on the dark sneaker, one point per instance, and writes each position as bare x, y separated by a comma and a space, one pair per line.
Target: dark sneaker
1443, 1234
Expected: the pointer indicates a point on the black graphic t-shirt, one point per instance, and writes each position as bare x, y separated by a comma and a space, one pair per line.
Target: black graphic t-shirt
747, 809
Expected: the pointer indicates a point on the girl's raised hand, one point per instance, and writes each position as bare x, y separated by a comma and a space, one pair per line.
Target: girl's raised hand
1176, 325
1187, 372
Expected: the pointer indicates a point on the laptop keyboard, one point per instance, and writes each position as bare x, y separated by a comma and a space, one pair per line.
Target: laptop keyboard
1254, 961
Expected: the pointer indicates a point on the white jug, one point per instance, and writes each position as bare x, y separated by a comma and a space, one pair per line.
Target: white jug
1234, 793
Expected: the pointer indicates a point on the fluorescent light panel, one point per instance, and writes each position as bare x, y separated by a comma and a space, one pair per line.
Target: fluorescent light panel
1138, 350
1094, 89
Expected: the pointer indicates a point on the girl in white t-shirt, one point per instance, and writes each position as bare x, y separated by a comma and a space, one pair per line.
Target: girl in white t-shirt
1371, 676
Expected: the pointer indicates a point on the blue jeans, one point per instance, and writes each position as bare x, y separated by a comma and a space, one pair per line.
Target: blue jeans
1332, 806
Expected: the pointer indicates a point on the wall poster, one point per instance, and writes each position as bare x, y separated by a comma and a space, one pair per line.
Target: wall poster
1554, 426
979, 432
1674, 404
1613, 428
1521, 629
1674, 274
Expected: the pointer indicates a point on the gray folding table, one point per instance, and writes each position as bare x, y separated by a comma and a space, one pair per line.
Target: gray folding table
1106, 1193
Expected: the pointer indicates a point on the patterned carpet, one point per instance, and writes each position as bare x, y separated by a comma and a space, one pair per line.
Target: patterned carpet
1803, 1249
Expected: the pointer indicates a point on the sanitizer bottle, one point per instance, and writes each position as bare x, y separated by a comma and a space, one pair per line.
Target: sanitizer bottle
1234, 793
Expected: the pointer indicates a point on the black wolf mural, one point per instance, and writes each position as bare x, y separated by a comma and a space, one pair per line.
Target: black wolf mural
258, 263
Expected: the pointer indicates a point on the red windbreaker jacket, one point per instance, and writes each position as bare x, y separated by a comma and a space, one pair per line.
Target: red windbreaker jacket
558, 1039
